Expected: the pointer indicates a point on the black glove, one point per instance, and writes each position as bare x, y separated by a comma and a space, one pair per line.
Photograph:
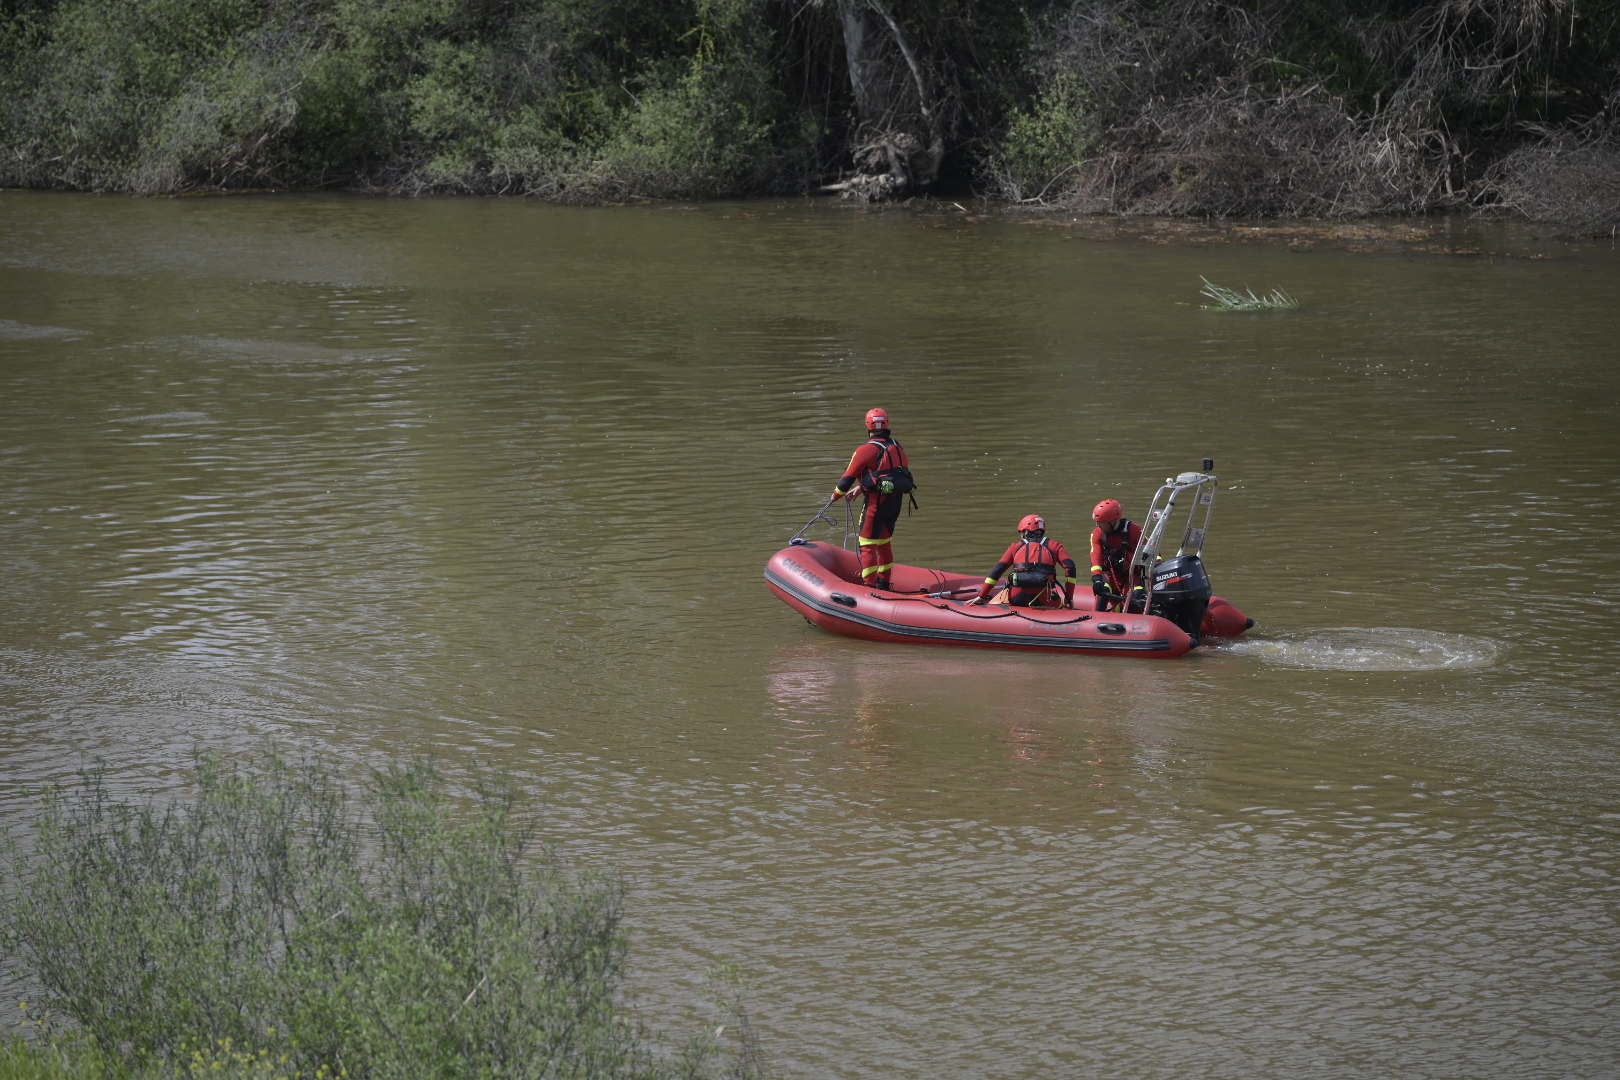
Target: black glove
1099, 584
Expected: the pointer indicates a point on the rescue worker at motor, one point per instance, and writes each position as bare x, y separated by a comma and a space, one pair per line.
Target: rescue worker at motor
1113, 545
1035, 560
880, 468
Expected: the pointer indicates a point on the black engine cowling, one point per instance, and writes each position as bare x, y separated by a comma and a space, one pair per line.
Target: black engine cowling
1181, 592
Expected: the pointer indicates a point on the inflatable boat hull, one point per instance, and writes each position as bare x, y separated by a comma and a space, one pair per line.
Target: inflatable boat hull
821, 582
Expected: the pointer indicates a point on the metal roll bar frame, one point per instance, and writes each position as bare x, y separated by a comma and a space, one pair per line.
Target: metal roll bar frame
1156, 523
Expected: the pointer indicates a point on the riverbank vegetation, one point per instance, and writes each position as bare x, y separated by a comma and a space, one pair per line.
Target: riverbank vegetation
271, 926
1313, 108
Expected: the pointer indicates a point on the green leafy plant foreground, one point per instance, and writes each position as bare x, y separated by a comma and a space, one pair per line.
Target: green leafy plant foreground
273, 925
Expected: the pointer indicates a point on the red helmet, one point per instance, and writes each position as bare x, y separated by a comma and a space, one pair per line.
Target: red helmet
1107, 512
1032, 523
877, 420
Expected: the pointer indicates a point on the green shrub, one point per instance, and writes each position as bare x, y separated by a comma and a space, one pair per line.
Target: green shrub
1044, 146
270, 919
226, 129
703, 121
93, 78
683, 140
66, 1059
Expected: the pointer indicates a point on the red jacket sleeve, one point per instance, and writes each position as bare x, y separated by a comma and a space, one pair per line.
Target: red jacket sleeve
866, 456
1061, 554
1006, 560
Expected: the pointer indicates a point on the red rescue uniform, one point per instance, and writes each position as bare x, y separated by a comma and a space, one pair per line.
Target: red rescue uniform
1112, 549
1039, 568
872, 463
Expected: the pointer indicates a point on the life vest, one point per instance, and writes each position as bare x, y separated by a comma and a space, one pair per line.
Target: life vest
1035, 565
1116, 548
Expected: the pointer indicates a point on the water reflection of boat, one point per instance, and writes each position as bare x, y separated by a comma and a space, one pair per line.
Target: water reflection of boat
822, 582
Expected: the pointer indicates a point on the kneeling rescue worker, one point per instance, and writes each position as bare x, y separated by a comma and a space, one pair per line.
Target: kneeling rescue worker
1113, 546
883, 472
1035, 560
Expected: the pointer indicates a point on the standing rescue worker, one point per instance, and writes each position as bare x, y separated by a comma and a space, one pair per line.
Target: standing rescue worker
880, 468
1039, 566
1113, 545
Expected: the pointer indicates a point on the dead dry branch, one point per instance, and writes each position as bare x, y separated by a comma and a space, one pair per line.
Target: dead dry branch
1564, 177
1232, 152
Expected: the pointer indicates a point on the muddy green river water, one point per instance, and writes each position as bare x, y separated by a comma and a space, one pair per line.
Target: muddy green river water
496, 481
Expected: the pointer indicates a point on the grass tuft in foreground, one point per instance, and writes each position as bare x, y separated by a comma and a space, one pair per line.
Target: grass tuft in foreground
1231, 300
271, 925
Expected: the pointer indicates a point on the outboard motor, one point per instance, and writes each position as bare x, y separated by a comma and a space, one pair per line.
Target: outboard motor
1181, 592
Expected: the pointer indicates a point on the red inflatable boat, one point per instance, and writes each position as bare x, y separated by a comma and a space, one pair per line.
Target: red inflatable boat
822, 582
